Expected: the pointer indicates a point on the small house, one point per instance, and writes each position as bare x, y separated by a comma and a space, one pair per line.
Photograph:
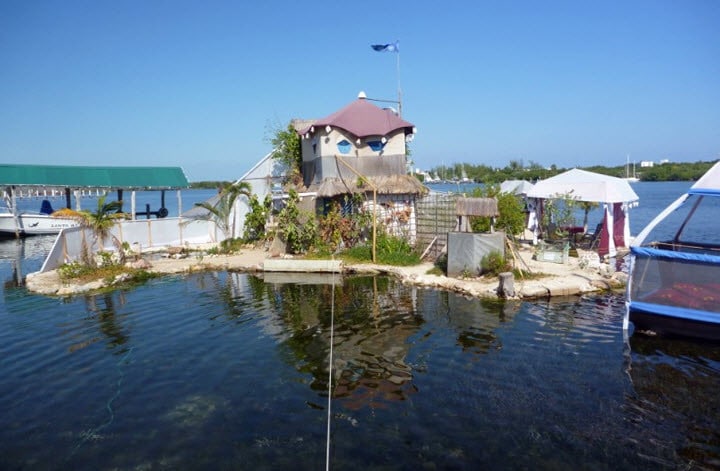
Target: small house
361, 149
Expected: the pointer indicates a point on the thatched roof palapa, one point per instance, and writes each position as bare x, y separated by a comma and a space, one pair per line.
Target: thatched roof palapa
388, 184
486, 207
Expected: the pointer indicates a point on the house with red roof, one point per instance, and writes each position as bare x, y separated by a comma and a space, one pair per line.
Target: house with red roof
361, 148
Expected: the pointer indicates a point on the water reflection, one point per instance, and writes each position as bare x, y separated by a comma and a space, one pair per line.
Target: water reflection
25, 255
373, 320
676, 402
377, 323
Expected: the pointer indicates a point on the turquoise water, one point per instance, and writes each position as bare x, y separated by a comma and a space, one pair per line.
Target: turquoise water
230, 371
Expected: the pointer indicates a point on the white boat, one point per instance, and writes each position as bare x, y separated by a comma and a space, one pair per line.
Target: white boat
673, 287
630, 178
27, 223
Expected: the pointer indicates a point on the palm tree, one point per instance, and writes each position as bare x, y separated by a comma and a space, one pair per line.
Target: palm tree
222, 210
101, 221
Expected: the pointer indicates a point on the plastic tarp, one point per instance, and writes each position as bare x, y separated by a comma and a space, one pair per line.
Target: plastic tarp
466, 250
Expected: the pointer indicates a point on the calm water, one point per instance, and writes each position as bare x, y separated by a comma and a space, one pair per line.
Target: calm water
229, 371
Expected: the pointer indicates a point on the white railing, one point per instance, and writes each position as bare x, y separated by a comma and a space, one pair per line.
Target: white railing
140, 234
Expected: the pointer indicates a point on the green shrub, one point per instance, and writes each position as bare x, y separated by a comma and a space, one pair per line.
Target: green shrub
73, 270
511, 218
493, 264
80, 273
389, 250
299, 229
256, 219
393, 250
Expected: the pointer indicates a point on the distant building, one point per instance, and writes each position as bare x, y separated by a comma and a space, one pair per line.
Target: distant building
664, 161
647, 163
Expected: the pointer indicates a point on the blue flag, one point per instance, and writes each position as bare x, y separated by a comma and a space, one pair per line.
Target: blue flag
392, 47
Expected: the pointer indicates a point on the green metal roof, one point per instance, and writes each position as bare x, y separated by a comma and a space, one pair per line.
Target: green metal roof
156, 178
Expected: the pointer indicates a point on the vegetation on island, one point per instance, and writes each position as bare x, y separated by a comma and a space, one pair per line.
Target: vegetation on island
532, 171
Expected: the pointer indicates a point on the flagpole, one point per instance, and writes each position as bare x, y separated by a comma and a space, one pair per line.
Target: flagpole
392, 47
398, 82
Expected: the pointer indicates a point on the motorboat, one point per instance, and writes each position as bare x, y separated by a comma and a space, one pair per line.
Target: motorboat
34, 223
44, 221
674, 270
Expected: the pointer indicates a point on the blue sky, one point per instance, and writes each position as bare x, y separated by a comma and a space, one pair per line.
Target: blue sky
199, 84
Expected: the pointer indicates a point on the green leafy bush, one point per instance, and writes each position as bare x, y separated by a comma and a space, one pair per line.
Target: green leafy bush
389, 250
256, 219
299, 229
511, 211
493, 264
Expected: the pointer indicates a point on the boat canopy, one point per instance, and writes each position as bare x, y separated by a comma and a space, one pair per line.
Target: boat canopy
128, 178
709, 183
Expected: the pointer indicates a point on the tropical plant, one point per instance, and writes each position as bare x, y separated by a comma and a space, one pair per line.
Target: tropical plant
286, 142
222, 210
558, 212
297, 228
511, 211
493, 263
256, 219
100, 222
337, 229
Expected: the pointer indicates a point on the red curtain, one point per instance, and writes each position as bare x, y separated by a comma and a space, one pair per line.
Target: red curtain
618, 225
604, 247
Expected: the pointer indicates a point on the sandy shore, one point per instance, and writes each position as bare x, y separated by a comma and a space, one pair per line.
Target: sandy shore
580, 275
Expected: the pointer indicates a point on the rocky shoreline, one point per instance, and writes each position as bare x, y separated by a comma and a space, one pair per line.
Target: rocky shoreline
581, 275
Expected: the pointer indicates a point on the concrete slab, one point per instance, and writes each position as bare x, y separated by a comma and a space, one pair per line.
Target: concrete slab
293, 265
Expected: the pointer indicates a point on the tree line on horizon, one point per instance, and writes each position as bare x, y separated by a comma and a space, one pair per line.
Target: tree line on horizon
517, 170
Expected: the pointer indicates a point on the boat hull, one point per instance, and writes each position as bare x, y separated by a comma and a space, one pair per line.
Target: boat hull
651, 323
34, 224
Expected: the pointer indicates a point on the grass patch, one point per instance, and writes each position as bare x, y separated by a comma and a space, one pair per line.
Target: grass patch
81, 274
526, 275
383, 256
436, 270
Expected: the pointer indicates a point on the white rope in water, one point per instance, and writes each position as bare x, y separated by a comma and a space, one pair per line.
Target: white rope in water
330, 373
93, 433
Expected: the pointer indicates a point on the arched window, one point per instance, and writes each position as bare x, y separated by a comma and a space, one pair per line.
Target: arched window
344, 146
376, 146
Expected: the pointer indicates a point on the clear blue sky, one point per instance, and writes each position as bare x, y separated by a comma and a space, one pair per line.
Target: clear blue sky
198, 83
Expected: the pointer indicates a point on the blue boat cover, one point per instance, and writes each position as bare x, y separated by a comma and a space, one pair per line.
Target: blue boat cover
673, 255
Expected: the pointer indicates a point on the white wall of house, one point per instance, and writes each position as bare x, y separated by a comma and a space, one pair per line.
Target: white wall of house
320, 147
